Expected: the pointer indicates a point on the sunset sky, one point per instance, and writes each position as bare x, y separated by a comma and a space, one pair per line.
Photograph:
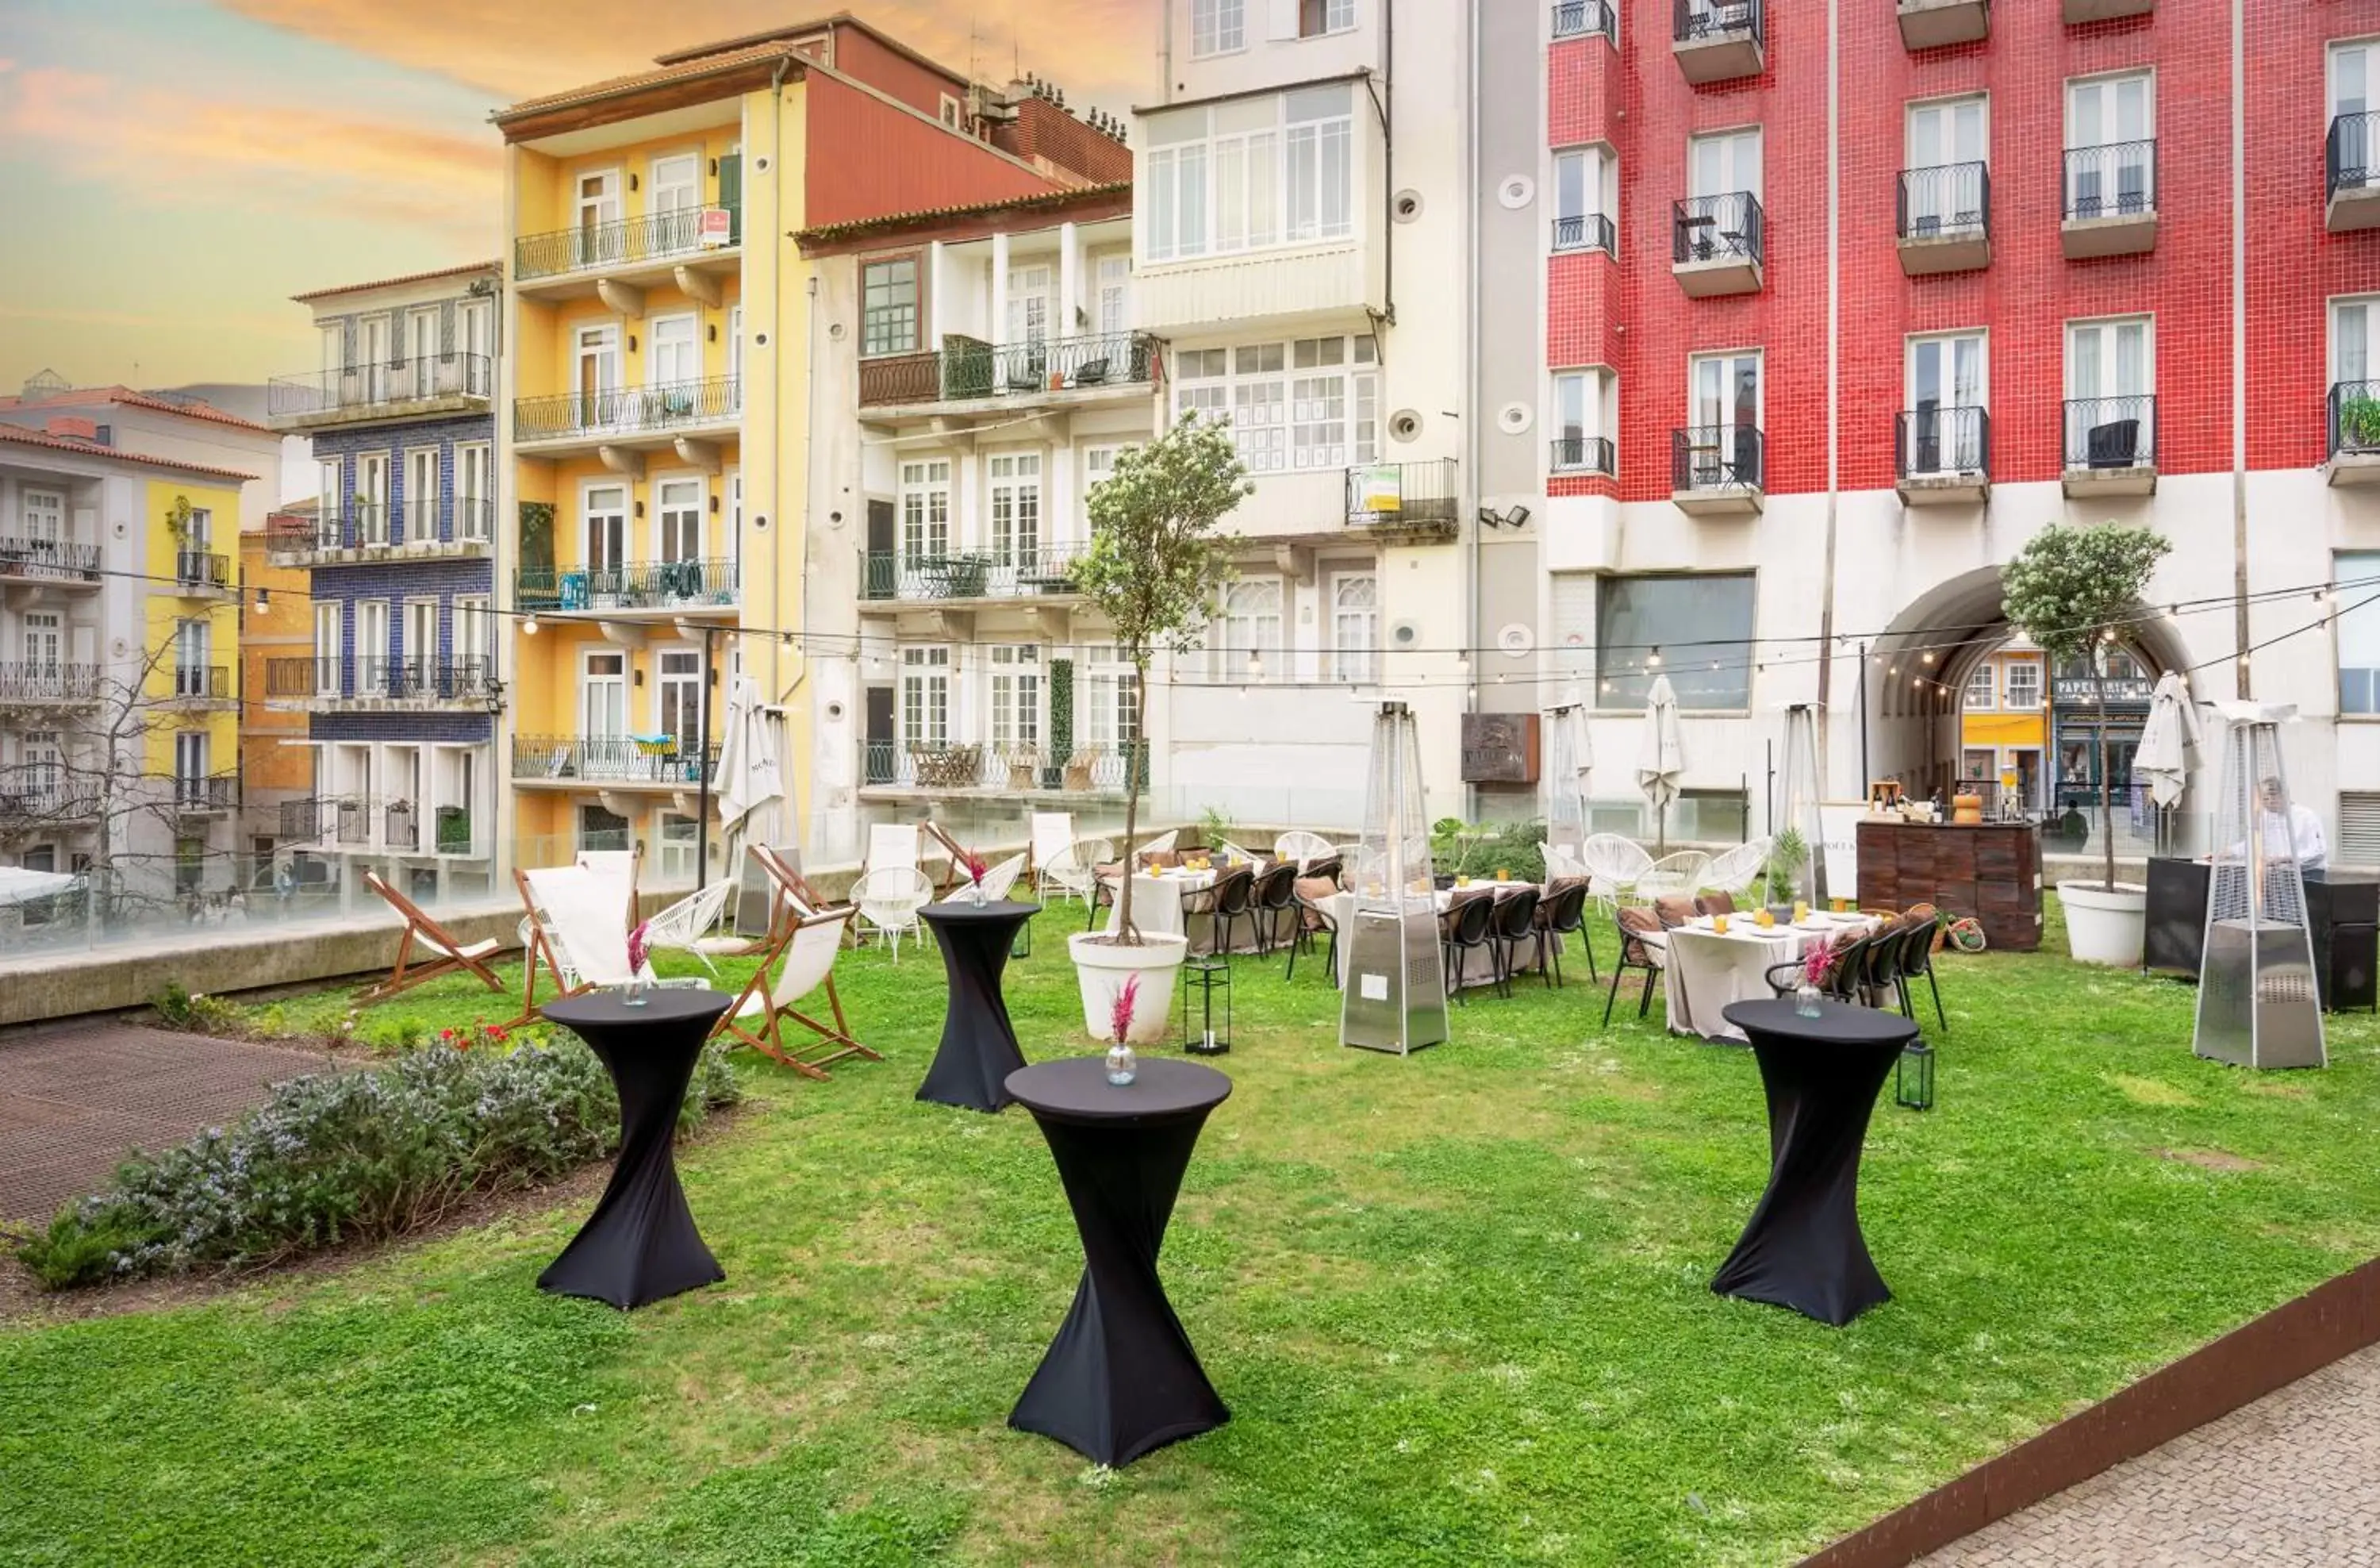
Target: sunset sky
171, 171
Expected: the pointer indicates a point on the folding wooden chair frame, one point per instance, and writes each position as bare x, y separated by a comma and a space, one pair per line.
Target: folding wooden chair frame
785, 883
454, 954
769, 1039
539, 946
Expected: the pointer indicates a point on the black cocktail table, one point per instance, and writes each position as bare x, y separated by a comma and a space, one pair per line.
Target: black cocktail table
1802, 1248
640, 1244
978, 1048
1121, 1378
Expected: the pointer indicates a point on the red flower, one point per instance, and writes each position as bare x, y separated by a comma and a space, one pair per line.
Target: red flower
975, 866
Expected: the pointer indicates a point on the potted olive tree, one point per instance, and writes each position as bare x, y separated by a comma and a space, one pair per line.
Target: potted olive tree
2071, 590
1152, 570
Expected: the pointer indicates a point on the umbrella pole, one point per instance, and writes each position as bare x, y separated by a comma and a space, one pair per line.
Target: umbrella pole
702, 772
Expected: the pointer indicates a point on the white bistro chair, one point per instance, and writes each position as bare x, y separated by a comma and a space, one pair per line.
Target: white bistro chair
1303, 848
888, 898
1734, 871
1614, 866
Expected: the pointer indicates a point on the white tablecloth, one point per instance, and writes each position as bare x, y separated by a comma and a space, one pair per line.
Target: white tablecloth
1475, 967
1706, 971
1157, 909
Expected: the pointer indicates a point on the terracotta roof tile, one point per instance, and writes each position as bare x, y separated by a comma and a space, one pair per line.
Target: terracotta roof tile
195, 408
308, 298
614, 86
18, 436
825, 232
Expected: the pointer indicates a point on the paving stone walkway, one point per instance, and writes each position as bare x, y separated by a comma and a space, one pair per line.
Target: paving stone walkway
73, 1101
2291, 1481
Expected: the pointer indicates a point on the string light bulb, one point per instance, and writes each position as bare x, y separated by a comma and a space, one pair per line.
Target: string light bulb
1653, 659
528, 626
264, 600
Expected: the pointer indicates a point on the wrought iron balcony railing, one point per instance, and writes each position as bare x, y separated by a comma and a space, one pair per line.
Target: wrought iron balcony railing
629, 410
656, 236
1933, 442
614, 759
400, 828
41, 794
1725, 227
1714, 458
1584, 18
366, 525
49, 558
1404, 495
357, 389
45, 681
1948, 199
2112, 432
201, 571
1701, 21
2354, 416
968, 368
989, 573
648, 585
2347, 160
2114, 180
1588, 231
1000, 767
213, 791
328, 677
202, 683
1585, 455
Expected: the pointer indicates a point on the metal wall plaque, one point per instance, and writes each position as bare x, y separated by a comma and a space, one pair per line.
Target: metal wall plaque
1499, 749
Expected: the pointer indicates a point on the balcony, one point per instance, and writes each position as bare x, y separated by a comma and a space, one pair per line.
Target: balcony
649, 590
1585, 455
1417, 503
1936, 24
2111, 445
459, 527
202, 688
891, 767
40, 796
2110, 199
1714, 470
2079, 11
39, 683
1943, 216
1716, 39
1590, 231
969, 375
361, 394
1714, 244
210, 795
50, 563
979, 576
629, 419
199, 575
2350, 182
693, 248
327, 685
1585, 19
634, 761
2354, 449
1942, 457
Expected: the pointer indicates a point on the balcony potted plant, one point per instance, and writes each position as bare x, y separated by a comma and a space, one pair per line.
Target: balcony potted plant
2359, 422
1152, 570
2069, 590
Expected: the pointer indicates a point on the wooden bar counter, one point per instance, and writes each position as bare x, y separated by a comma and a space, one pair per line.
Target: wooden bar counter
1991, 871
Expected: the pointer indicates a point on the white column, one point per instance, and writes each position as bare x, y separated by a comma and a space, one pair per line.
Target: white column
1061, 522
1070, 281
997, 328
936, 297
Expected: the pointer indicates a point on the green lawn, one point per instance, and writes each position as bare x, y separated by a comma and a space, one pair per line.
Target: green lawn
1458, 1304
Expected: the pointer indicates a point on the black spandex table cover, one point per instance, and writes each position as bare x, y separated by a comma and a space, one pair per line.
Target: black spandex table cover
1121, 1378
1804, 1249
978, 1047
640, 1244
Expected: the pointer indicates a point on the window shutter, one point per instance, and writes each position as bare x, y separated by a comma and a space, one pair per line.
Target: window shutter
731, 194
2359, 828
446, 329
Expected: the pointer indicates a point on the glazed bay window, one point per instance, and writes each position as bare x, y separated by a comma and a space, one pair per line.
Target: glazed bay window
1317, 18
1311, 404
1251, 174
1581, 415
1701, 623
888, 306
1581, 200
2359, 632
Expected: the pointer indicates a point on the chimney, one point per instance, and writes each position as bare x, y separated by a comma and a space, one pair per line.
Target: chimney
73, 429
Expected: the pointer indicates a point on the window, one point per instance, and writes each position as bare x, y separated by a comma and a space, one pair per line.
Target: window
675, 202
1031, 293
1315, 18
1977, 761
1701, 622
2024, 685
1098, 464
2354, 88
1579, 421
606, 515
2110, 146
1946, 391
2351, 323
44, 513
677, 705
1579, 203
2359, 634
1355, 627
2110, 373
421, 495
680, 838
1015, 696
674, 353
925, 696
1250, 629
475, 634
1251, 174
926, 509
475, 492
329, 630
1983, 687
1723, 392
1113, 698
1312, 404
1114, 294
951, 112
1948, 148
679, 506
1015, 484
1217, 27
888, 308
421, 649
44, 635
1723, 163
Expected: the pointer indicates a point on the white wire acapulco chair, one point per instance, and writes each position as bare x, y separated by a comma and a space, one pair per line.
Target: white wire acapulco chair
1733, 871
888, 898
1002, 877
682, 924
1614, 864
1073, 871
1303, 848
1684, 873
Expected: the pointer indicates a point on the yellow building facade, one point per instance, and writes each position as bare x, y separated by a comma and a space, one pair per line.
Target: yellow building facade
2004, 723
186, 672
276, 621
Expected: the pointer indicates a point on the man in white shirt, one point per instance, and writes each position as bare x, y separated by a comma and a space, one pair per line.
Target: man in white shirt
2294, 834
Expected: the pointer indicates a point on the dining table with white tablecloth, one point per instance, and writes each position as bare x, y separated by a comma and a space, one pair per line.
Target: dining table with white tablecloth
1474, 967
1157, 905
1707, 968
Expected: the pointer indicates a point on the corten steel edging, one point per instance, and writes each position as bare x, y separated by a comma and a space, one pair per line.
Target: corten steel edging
2326, 1324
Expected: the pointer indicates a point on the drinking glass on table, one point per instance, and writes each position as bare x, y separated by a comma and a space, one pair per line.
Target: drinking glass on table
1801, 910
1719, 924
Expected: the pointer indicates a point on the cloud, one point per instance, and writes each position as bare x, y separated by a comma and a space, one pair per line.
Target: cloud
1099, 50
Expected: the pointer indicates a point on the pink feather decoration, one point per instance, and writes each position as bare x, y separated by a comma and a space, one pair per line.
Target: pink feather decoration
976, 866
1120, 1019
1816, 963
637, 948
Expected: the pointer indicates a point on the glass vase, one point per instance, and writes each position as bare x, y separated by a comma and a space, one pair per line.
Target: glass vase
1123, 1065
1806, 998
637, 991
974, 894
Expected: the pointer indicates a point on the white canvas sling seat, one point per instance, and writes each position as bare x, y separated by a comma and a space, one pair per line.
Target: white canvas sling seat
1052, 844
1303, 848
800, 962
447, 954
682, 924
1164, 844
577, 931
616, 872
892, 845
888, 898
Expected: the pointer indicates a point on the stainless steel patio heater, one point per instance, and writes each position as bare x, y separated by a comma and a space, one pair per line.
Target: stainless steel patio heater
1800, 805
1395, 995
2257, 1004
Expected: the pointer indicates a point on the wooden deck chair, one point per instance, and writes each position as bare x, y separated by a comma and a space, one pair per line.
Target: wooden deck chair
572, 930
447, 954
952, 850
807, 952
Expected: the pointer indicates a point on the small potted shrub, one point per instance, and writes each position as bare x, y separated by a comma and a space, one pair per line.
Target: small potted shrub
1787, 854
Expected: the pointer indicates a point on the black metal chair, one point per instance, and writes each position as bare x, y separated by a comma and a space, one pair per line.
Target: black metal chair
1515, 922
1843, 975
1881, 982
1561, 915
1467, 927
1636, 954
1917, 959
1231, 899
1276, 896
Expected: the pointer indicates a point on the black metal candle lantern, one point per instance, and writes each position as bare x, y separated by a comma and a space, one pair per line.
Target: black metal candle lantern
1912, 1078
1206, 1006
1022, 947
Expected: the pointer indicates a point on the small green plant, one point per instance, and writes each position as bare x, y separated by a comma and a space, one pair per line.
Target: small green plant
2359, 420
1214, 827
173, 1006
1786, 856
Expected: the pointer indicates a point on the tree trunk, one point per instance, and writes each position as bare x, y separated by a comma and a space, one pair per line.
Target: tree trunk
1126, 933
2106, 784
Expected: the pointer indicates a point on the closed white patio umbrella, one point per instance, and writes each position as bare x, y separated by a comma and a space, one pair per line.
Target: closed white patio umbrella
1568, 762
750, 775
1661, 761
2171, 730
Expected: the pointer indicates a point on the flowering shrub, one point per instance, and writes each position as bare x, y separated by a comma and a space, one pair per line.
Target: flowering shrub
350, 1157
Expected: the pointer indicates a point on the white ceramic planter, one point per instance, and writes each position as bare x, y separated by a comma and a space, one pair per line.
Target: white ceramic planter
2104, 927
1100, 969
